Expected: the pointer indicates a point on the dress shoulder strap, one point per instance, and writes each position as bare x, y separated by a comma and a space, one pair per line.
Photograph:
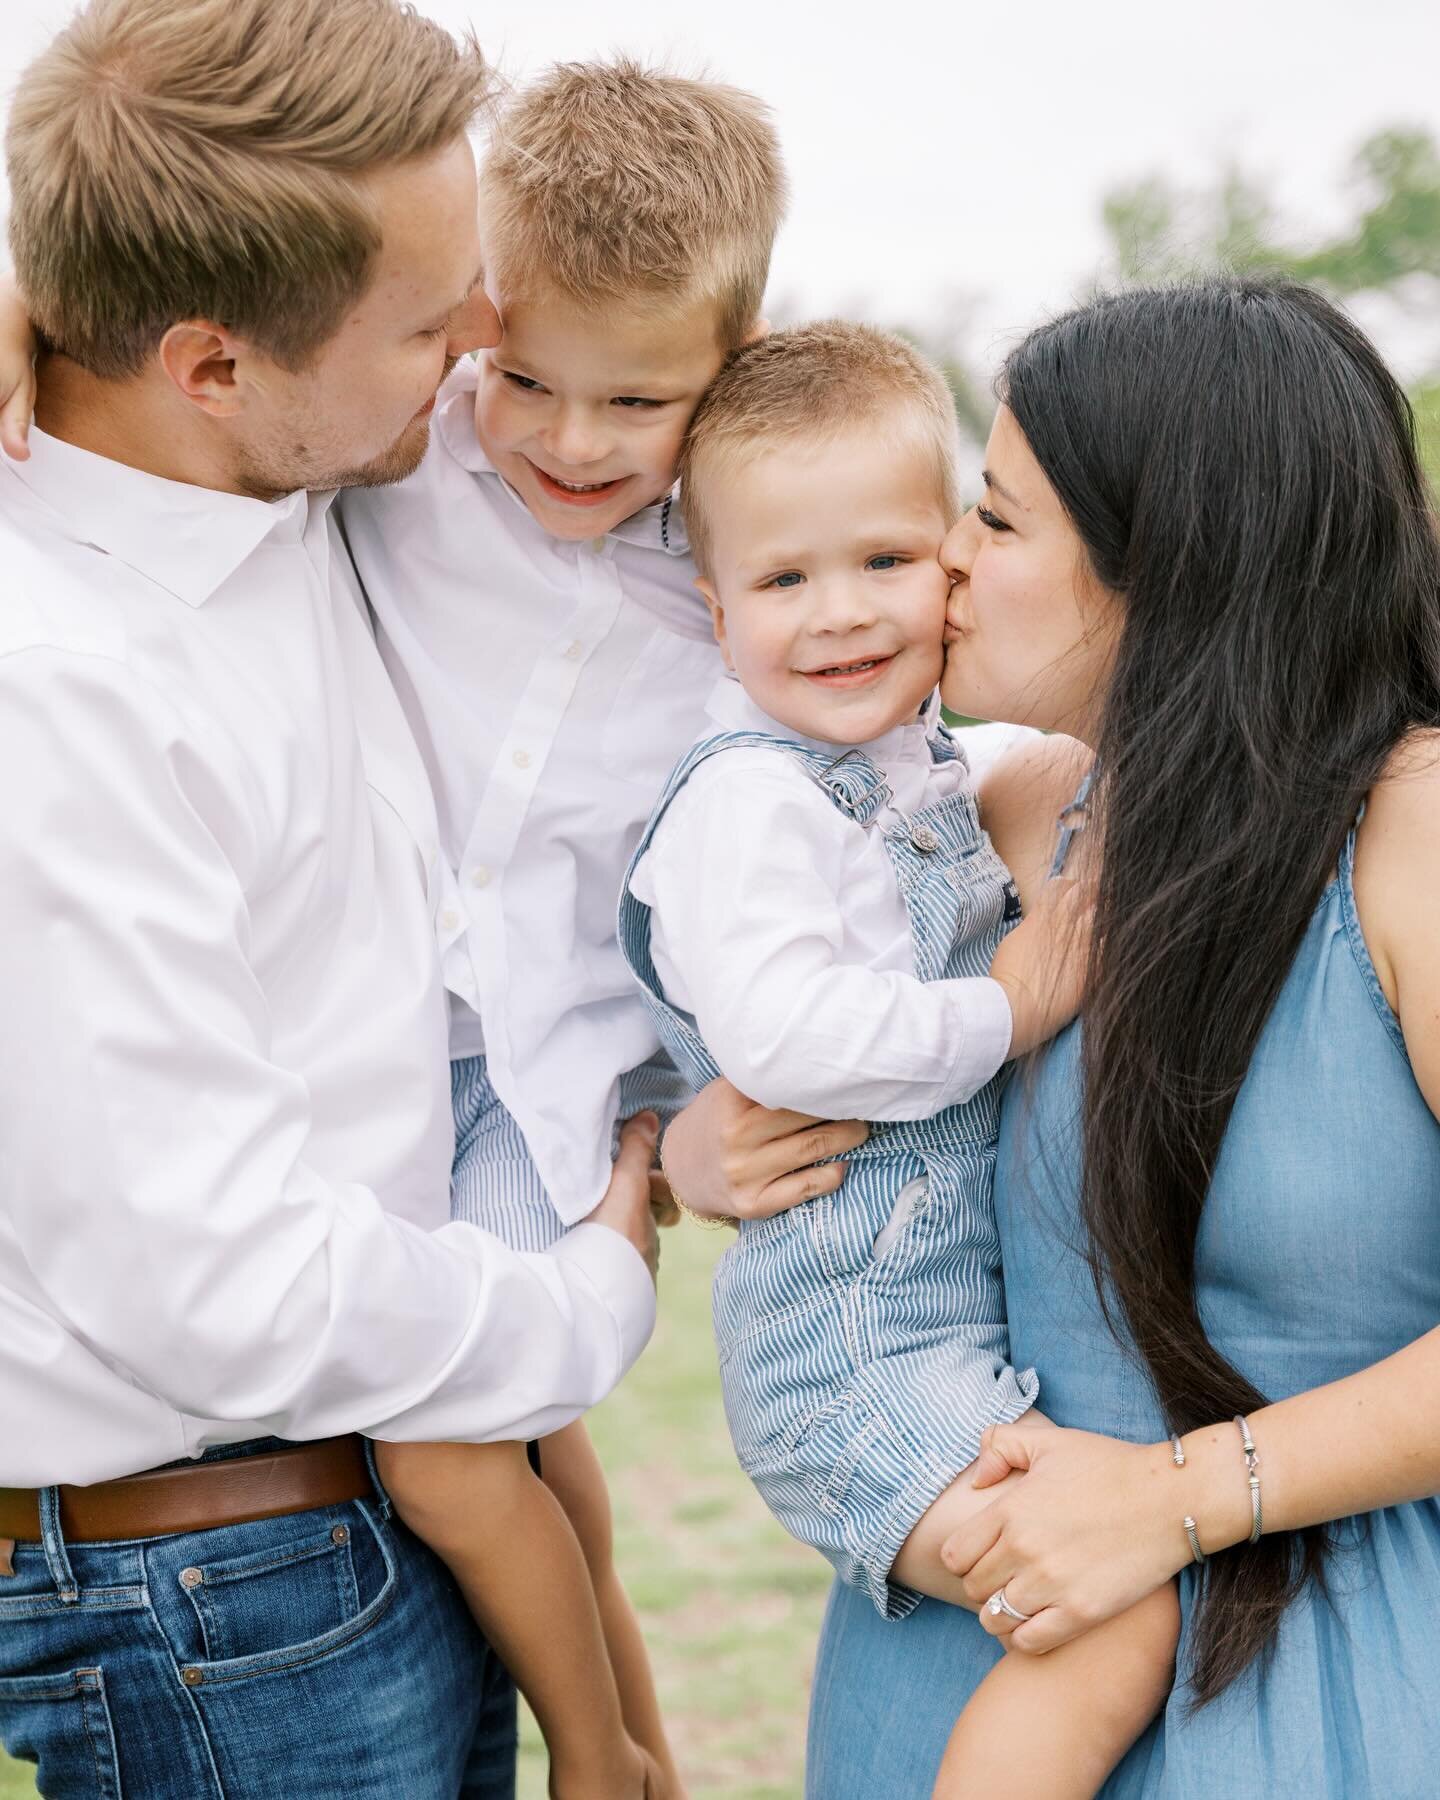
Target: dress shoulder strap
1070, 822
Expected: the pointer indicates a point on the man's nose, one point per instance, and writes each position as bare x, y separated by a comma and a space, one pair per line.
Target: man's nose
474, 325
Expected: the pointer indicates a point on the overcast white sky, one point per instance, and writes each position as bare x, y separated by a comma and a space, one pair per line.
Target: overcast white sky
951, 149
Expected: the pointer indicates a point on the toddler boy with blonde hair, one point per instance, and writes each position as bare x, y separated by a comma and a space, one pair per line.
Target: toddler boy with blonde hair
816, 912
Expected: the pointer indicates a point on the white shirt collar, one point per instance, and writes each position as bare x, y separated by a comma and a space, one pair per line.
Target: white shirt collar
730, 706
660, 526
188, 540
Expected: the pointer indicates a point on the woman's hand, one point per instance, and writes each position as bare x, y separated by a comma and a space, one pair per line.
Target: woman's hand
727, 1158
1094, 1527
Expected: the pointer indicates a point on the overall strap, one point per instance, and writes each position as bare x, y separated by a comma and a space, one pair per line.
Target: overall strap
854, 785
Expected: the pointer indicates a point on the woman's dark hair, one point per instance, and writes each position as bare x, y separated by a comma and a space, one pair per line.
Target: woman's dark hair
1240, 467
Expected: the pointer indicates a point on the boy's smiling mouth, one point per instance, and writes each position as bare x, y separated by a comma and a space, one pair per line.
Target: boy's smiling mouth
856, 673
574, 493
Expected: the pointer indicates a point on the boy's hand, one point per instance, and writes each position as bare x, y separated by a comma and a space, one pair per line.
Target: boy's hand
17, 372
1041, 965
626, 1206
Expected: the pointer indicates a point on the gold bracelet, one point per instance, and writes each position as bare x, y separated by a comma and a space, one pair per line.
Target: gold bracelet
703, 1220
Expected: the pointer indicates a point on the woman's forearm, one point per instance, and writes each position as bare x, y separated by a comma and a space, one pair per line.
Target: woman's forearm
1367, 1441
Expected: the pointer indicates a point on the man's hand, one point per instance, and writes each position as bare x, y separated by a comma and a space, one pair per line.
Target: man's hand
729, 1159
626, 1206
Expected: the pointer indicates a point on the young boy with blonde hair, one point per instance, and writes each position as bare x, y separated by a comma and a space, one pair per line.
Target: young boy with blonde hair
816, 912
535, 604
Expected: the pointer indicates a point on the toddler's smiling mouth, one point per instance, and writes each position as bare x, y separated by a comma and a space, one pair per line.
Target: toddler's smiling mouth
855, 673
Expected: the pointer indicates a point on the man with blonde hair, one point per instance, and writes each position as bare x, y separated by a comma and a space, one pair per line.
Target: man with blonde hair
246, 230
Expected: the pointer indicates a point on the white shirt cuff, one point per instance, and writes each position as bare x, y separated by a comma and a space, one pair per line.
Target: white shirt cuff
985, 1040
617, 1272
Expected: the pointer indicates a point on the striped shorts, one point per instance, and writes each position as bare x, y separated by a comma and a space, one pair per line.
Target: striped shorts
494, 1182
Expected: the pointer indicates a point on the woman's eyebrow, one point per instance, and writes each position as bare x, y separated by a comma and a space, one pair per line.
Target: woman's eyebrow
999, 487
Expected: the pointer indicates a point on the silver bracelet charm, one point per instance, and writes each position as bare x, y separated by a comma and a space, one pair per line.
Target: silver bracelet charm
1177, 1456
1252, 1464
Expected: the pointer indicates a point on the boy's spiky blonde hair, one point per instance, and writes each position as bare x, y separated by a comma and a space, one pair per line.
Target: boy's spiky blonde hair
609, 181
812, 382
201, 159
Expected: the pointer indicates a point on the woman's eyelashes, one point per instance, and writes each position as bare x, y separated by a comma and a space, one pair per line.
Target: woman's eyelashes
991, 521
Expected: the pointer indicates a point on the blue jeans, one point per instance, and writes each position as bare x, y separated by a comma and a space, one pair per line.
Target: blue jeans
297, 1658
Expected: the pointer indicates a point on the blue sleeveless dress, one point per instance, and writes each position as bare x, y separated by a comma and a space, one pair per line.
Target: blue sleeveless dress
1319, 1254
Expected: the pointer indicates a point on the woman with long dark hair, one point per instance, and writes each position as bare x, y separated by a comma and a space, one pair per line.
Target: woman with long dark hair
1207, 551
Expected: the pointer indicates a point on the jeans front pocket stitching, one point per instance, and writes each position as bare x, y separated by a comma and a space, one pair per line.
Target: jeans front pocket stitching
242, 1668
88, 1687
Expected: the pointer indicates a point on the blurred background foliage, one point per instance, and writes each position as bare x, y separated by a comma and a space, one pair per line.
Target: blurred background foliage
1383, 262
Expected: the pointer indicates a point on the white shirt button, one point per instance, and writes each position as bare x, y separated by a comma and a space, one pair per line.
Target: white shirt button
480, 876
449, 919
574, 651
520, 758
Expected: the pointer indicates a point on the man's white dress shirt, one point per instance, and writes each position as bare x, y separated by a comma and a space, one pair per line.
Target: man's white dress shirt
552, 687
225, 1133
779, 926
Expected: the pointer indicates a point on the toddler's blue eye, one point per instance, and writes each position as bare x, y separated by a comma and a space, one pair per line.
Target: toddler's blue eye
790, 579
522, 381
883, 562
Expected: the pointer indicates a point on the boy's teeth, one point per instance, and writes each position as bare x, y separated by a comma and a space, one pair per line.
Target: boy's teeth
579, 487
849, 668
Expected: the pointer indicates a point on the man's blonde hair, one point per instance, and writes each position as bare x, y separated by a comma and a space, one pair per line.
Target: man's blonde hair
198, 159
815, 381
609, 181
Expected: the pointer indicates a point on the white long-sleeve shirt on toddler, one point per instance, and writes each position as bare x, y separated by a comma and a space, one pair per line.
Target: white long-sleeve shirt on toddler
779, 926
551, 687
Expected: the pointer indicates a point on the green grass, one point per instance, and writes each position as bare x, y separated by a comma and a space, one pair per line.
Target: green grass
730, 1606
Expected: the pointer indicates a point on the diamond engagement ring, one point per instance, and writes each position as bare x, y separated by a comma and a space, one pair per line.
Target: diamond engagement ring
997, 1604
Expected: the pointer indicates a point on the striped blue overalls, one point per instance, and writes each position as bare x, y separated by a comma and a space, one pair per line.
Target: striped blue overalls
862, 1336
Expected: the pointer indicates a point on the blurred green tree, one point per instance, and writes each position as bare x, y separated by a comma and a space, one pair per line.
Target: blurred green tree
1390, 247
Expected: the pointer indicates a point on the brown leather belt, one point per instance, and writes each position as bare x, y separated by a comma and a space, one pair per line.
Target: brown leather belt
200, 1496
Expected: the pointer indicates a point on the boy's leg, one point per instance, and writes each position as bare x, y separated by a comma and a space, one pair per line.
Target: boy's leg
1058, 1724
572, 1472
285, 1659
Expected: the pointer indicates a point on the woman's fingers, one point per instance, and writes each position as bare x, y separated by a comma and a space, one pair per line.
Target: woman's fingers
1046, 1630
976, 1538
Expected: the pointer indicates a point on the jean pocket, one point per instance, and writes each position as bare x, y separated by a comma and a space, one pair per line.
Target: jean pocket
62, 1723
293, 1598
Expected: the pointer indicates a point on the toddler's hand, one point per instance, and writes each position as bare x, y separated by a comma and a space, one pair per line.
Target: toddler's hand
1041, 965
17, 372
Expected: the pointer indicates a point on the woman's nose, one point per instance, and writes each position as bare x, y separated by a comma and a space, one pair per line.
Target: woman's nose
958, 548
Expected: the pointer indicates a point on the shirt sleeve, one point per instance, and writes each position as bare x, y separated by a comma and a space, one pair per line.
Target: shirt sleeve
746, 876
154, 1171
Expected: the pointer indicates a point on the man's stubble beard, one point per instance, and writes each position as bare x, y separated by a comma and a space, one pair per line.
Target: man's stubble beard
301, 467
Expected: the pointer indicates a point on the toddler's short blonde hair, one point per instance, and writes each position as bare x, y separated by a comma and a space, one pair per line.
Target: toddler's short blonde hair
609, 181
812, 382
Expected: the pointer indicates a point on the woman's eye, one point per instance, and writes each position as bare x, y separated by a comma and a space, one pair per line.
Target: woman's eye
521, 381
991, 521
635, 400
887, 561
790, 579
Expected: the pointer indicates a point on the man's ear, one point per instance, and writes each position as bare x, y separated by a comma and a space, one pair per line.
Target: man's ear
200, 358
717, 617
